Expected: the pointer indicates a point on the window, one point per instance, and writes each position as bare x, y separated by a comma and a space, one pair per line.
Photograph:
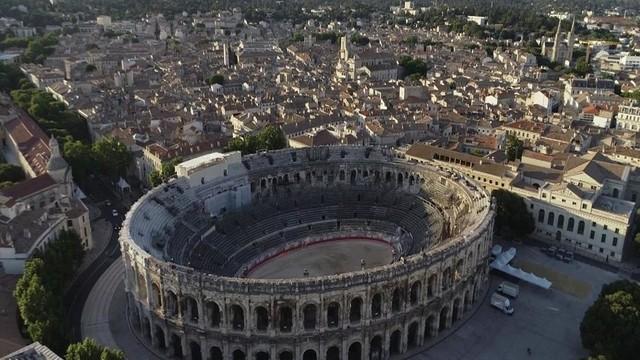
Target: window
553, 197
603, 238
69, 223
551, 218
604, 227
615, 241
617, 230
225, 172
613, 254
581, 227
541, 216
531, 206
592, 235
594, 224
590, 247
544, 195
584, 206
601, 250
570, 224
560, 221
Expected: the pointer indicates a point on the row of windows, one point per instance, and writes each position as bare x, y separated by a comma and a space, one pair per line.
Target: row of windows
571, 224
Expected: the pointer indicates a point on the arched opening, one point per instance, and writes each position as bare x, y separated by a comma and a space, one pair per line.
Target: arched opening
215, 353
467, 301
551, 218
190, 309
213, 311
399, 178
353, 176
262, 355
459, 270
355, 312
157, 298
429, 327
541, 216
412, 335
395, 300
309, 320
286, 319
239, 355
263, 184
455, 313
333, 314
581, 227
446, 278
355, 351
394, 343
443, 318
286, 355
146, 328
616, 193
237, 317
159, 334
414, 293
570, 224
411, 180
196, 353
376, 306
309, 355
262, 318
176, 346
341, 176
431, 287
333, 353
172, 303
135, 318
142, 288
560, 221
375, 349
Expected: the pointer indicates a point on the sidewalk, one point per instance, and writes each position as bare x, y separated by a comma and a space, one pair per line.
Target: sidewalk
101, 231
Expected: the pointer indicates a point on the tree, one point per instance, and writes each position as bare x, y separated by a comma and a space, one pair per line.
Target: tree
155, 178
78, 155
89, 349
413, 66
9, 172
512, 213
269, 138
513, 148
215, 79
359, 39
112, 157
611, 326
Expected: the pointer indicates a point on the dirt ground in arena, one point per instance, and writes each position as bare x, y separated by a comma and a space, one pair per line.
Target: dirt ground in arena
333, 257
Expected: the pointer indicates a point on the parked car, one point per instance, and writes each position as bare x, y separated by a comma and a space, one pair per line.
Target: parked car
114, 212
501, 303
509, 289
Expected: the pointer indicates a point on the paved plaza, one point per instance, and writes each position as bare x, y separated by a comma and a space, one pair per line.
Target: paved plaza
547, 321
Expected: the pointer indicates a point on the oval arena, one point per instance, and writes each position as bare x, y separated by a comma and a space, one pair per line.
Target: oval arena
318, 253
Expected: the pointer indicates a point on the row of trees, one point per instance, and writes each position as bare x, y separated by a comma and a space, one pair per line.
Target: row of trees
52, 115
39, 290
91, 350
512, 213
108, 156
37, 48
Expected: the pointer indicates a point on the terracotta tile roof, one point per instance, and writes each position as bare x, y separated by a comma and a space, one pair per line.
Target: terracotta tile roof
32, 142
26, 188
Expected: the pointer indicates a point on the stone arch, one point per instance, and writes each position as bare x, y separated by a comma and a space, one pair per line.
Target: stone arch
171, 300
456, 310
237, 317
189, 308
412, 335
387, 177
142, 287
396, 300
159, 335
262, 355
333, 314
333, 353
432, 284
286, 355
196, 352
376, 306
429, 327
355, 310
444, 313
156, 296
375, 348
262, 318
214, 314
176, 345
355, 351
411, 180
309, 316
446, 278
215, 353
239, 355
414, 293
310, 355
285, 318
459, 270
395, 343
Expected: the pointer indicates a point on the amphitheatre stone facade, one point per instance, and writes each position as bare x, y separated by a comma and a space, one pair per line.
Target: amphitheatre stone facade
188, 244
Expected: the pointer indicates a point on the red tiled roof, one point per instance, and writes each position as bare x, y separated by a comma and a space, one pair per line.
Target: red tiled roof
32, 142
27, 187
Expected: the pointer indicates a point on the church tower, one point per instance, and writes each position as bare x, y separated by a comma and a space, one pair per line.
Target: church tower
57, 167
571, 39
556, 43
344, 48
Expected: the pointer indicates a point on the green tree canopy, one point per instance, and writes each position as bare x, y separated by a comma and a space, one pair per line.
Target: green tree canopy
9, 172
79, 156
112, 157
611, 326
512, 213
513, 148
269, 138
413, 66
89, 349
215, 79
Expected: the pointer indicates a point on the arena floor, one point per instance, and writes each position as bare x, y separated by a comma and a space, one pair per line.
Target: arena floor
332, 257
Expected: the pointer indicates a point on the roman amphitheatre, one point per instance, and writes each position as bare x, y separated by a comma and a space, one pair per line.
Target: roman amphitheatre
342, 252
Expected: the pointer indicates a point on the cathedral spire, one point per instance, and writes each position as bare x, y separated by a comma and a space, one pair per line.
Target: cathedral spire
556, 42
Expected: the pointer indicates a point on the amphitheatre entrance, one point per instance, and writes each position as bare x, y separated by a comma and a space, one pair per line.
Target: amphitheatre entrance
324, 258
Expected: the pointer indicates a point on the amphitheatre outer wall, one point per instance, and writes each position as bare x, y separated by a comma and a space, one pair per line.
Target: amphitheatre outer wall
376, 313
